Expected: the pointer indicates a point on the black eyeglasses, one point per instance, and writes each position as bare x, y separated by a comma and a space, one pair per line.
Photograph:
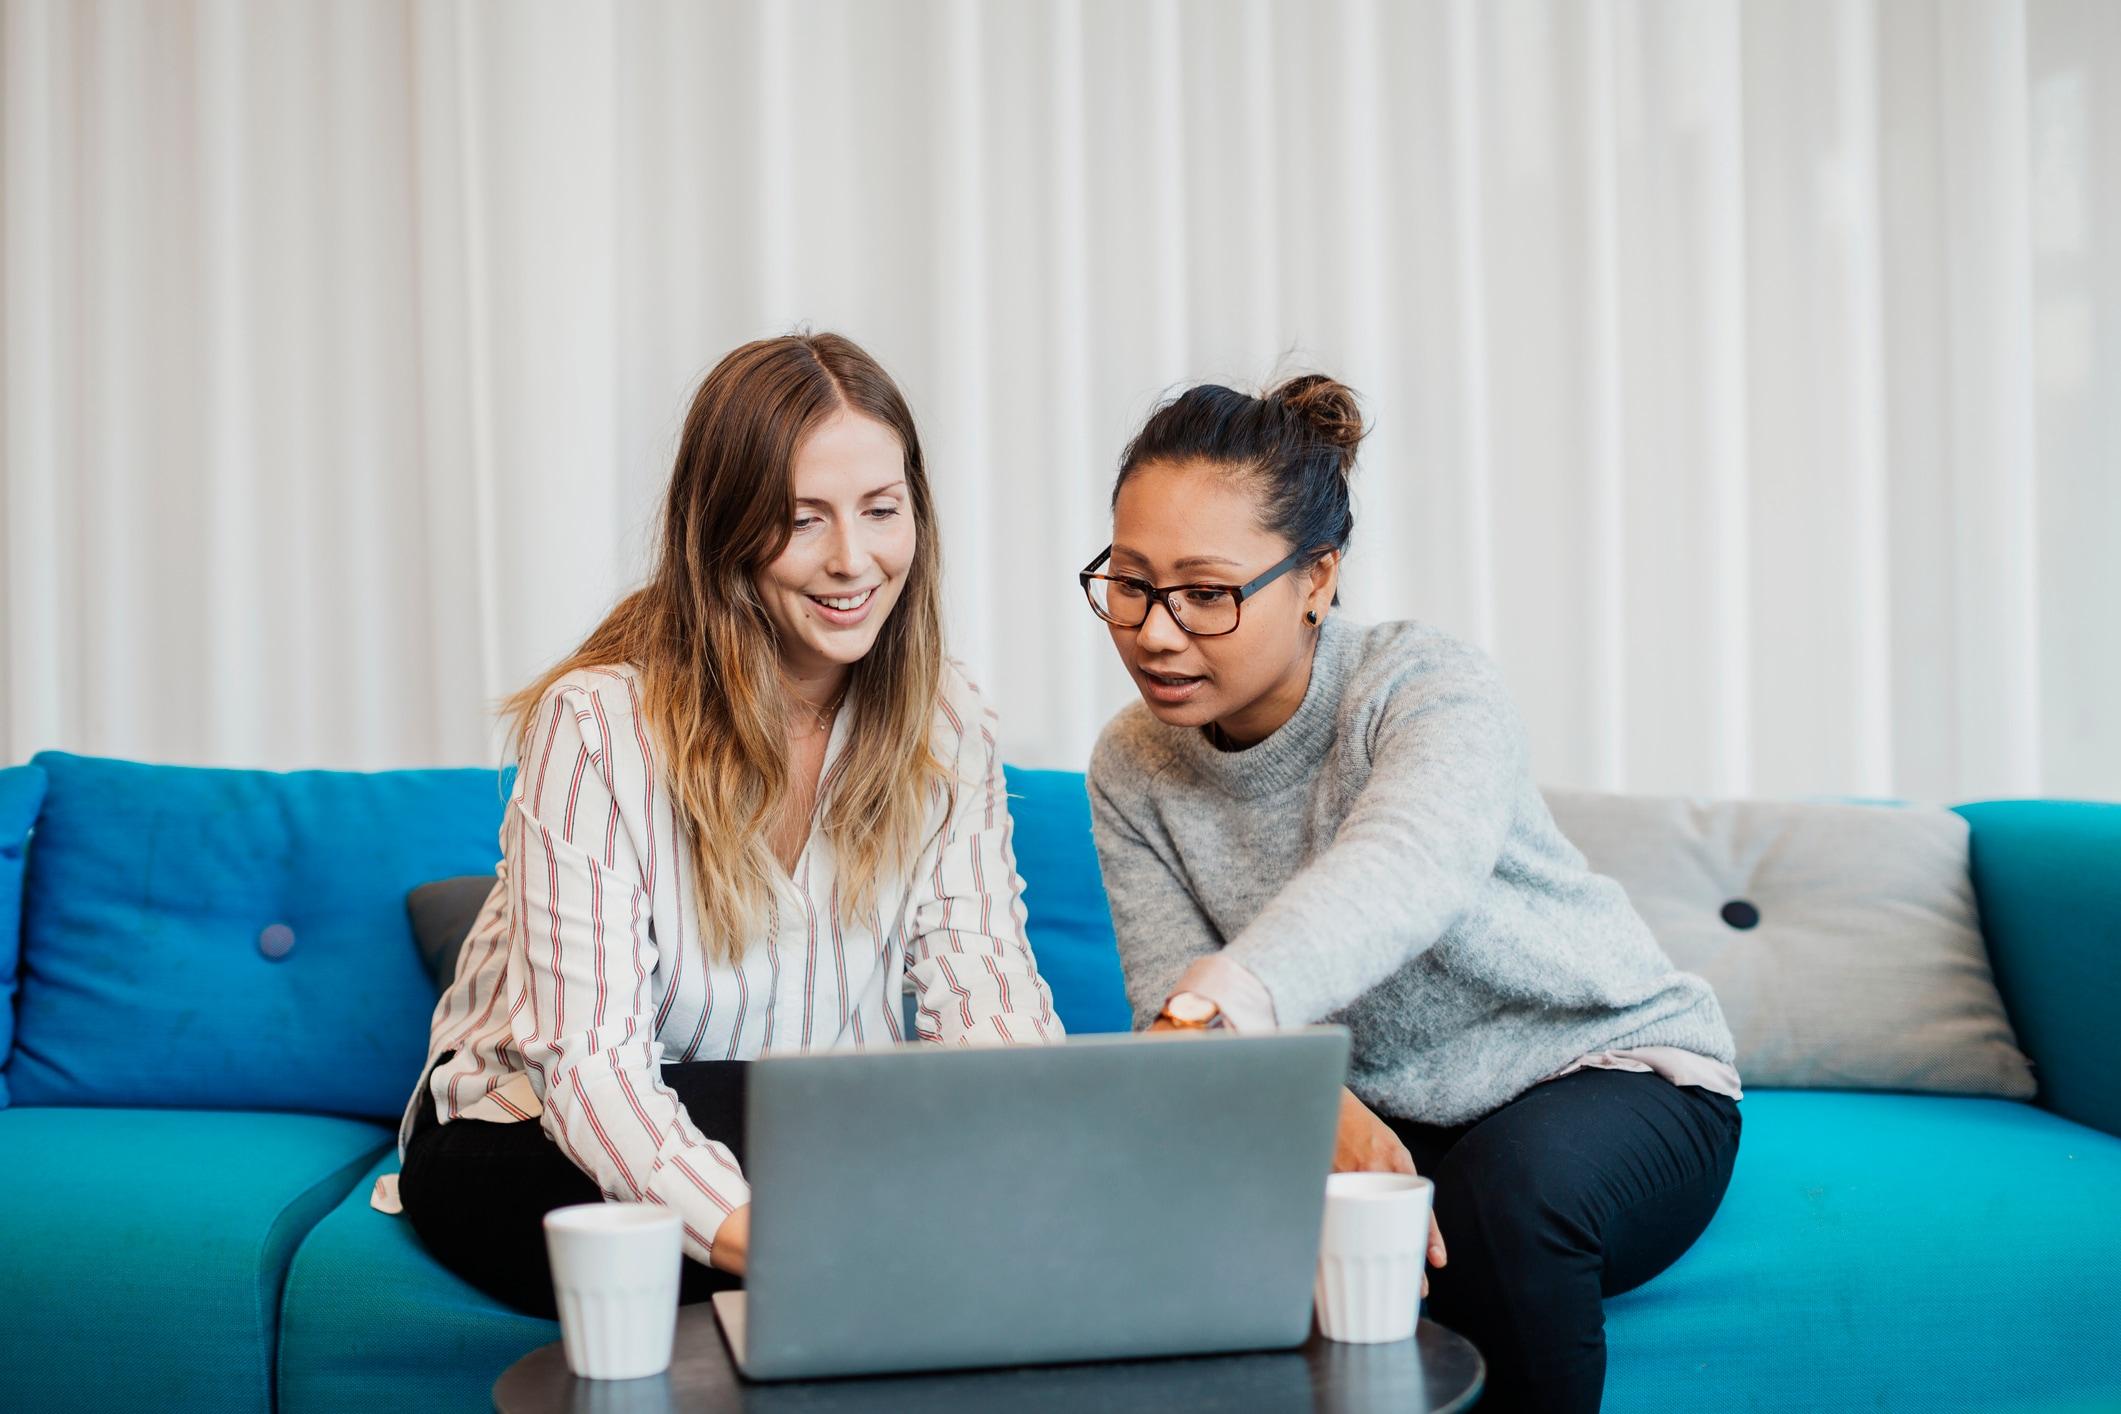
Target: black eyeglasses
1201, 610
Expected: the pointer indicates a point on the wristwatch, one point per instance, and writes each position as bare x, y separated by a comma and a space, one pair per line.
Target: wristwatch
1190, 1011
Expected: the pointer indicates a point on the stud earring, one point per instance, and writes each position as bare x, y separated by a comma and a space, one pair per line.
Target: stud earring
1311, 617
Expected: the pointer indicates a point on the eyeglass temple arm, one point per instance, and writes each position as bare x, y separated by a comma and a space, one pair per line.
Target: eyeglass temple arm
1245, 591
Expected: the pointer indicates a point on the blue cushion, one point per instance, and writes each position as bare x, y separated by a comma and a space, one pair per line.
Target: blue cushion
142, 1252
245, 929
370, 1321
1888, 1252
2047, 875
21, 792
1069, 922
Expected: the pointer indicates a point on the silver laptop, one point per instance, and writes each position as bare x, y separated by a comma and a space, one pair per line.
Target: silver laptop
1108, 1198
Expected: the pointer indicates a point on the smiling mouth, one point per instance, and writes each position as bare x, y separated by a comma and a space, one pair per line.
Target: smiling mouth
844, 602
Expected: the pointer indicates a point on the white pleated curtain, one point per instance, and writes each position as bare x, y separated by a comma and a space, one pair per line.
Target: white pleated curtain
1746, 377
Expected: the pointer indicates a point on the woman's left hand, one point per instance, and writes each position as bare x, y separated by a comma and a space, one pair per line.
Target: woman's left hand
1366, 1144
1363, 1144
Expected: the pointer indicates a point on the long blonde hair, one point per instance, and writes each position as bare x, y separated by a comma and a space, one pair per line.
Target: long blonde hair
712, 690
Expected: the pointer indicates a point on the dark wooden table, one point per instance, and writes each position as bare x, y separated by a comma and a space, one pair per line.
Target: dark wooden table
1437, 1370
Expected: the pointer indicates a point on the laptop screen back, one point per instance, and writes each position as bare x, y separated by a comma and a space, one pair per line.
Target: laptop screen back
1107, 1198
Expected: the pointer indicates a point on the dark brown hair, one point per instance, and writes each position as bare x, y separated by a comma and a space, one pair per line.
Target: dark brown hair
1296, 444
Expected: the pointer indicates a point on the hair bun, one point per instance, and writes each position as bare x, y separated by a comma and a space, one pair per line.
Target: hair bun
1328, 407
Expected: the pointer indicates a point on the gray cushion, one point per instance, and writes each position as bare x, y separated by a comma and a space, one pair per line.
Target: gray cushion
1842, 940
442, 914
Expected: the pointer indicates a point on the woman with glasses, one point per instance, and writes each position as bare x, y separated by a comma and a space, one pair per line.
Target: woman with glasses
749, 807
1307, 819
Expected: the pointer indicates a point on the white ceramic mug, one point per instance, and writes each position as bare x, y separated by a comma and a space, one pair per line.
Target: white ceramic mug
1371, 1254
615, 1269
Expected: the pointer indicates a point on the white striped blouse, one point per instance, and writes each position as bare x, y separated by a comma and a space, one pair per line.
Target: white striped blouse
585, 972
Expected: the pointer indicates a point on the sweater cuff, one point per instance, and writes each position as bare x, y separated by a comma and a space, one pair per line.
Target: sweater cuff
1240, 996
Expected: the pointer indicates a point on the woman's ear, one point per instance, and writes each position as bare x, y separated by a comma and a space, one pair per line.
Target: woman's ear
1324, 586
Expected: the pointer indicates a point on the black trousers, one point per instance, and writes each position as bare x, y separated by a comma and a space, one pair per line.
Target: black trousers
1579, 1189
477, 1192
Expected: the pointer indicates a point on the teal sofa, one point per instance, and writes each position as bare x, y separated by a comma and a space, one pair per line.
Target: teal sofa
215, 1010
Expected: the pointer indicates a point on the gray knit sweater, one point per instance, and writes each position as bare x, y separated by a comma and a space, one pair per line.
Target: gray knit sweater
1385, 861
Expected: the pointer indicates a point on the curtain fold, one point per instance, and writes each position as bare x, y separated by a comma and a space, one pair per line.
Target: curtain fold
1745, 376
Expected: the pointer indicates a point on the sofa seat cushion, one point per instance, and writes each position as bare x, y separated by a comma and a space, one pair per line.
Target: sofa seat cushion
370, 1321
1889, 1252
143, 1251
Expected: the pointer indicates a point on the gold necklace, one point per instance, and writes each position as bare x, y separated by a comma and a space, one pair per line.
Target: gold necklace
824, 718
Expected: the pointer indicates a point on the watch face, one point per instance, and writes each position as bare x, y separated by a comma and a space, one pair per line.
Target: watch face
1187, 1006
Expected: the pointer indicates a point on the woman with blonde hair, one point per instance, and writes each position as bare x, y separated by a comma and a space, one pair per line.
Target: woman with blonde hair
754, 803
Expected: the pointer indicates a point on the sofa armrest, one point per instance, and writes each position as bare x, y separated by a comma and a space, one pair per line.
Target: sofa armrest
2047, 877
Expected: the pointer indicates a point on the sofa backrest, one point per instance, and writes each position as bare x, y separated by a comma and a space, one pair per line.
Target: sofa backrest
207, 938
21, 796
238, 939
1069, 922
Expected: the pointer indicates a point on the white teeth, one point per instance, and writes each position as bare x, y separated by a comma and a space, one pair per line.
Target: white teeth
854, 603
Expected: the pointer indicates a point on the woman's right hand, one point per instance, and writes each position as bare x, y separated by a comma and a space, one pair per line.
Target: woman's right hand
1366, 1144
732, 1242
